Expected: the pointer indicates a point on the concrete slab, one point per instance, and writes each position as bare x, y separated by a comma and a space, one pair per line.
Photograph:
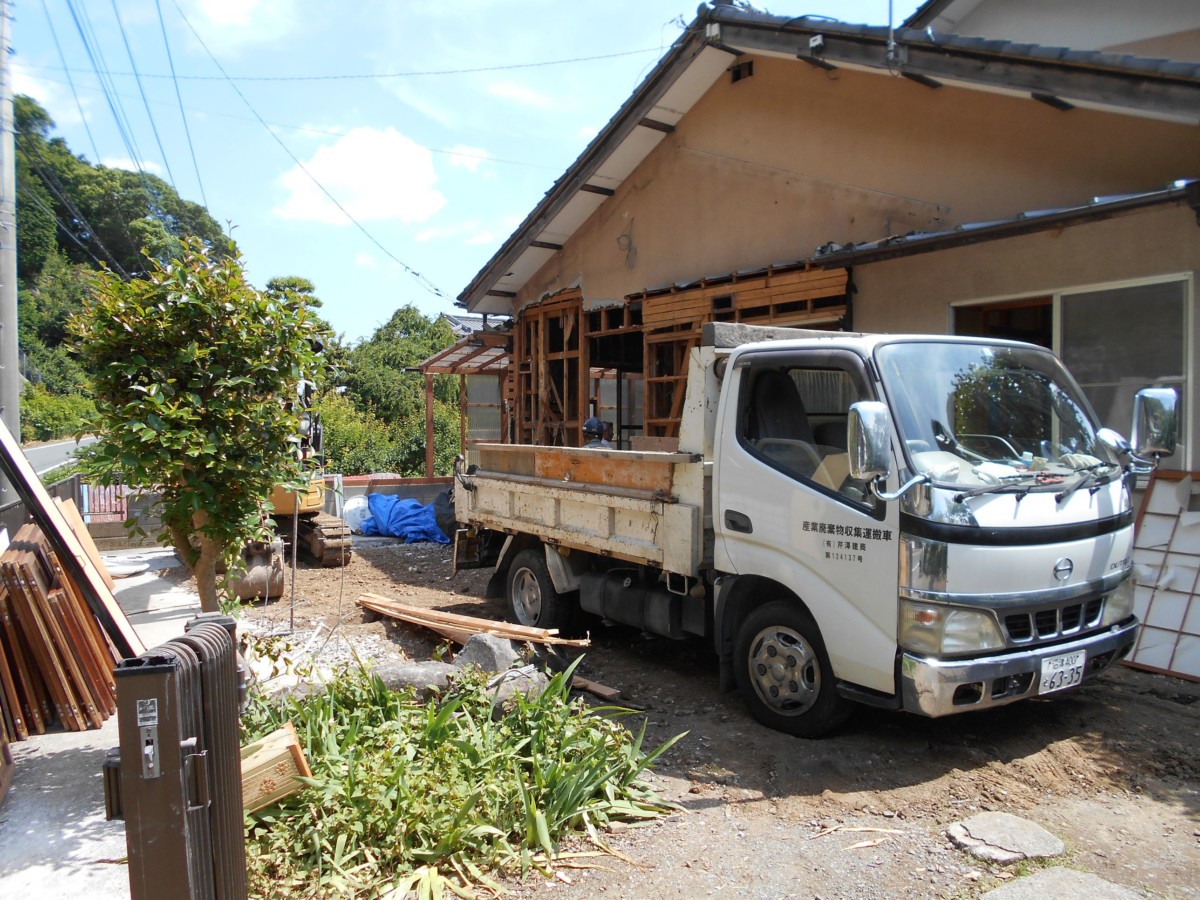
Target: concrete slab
1061, 882
54, 840
1004, 838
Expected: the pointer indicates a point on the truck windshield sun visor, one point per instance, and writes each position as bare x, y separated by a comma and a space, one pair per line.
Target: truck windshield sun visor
987, 418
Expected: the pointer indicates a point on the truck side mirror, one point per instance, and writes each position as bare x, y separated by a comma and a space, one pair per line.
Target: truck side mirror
1154, 422
869, 440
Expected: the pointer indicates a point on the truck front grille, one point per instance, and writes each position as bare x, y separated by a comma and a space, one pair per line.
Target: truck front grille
1052, 622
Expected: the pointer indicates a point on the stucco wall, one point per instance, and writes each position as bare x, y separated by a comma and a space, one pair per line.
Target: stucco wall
766, 169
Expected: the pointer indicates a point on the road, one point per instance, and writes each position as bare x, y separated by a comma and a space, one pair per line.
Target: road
45, 457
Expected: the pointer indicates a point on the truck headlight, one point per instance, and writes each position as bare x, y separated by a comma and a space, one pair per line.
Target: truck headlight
1118, 606
935, 629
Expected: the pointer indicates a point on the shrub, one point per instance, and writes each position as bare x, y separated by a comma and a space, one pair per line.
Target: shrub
47, 417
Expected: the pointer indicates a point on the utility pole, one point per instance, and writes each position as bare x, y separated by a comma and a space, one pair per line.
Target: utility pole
10, 366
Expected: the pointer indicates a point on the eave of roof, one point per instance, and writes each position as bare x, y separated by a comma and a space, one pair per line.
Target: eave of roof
1057, 75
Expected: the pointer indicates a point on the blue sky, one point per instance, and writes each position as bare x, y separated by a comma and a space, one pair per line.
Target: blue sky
436, 126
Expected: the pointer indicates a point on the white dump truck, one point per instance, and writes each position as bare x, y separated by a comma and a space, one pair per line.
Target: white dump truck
929, 523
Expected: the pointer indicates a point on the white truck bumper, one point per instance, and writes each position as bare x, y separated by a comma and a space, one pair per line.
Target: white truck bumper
937, 687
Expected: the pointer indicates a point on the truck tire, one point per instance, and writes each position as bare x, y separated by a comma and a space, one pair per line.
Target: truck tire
784, 673
531, 595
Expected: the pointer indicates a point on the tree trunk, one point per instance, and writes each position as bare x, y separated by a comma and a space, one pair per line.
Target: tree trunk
205, 566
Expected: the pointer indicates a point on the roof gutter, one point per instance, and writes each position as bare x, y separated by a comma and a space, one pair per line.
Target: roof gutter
1186, 191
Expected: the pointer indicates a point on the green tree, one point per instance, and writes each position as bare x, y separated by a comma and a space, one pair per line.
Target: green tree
94, 213
192, 369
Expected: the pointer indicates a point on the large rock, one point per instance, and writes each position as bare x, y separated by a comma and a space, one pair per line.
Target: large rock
428, 678
527, 680
487, 652
1004, 838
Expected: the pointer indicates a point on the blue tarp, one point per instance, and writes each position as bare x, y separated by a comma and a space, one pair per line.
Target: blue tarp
407, 519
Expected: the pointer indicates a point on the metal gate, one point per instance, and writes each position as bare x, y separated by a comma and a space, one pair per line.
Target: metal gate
181, 788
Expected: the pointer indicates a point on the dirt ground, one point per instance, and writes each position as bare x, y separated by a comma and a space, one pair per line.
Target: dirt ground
1112, 769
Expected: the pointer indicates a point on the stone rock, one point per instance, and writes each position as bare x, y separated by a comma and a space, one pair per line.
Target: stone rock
1004, 838
1061, 882
527, 680
427, 678
487, 652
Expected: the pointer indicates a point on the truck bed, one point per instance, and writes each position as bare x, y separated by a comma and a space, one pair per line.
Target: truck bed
639, 506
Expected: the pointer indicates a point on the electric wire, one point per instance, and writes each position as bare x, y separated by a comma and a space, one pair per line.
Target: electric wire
142, 91
62, 57
50, 180
333, 132
95, 57
186, 130
365, 76
424, 282
62, 225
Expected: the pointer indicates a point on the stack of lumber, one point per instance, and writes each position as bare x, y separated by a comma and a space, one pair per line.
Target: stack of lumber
55, 660
460, 628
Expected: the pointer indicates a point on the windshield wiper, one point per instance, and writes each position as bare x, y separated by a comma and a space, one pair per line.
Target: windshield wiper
1014, 482
1089, 479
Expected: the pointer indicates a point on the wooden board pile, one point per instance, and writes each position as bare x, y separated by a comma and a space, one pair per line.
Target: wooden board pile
460, 628
55, 660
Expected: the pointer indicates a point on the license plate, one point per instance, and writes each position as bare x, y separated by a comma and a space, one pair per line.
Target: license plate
1059, 672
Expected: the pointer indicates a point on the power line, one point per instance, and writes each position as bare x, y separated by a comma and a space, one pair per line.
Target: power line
187, 131
70, 81
359, 76
421, 279
50, 180
142, 91
333, 132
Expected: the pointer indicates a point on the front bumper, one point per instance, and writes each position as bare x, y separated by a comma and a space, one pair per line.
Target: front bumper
936, 687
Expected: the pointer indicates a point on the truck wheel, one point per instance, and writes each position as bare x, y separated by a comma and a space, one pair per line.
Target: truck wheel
784, 673
532, 596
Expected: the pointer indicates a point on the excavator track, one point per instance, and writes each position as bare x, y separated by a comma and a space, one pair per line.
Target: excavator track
322, 538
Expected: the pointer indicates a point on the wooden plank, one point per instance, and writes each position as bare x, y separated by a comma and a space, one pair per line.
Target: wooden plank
7, 765
79, 528
98, 642
468, 624
90, 666
62, 651
595, 688
28, 683
10, 700
50, 519
37, 639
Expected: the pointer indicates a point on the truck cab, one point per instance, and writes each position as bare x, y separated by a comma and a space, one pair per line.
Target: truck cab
929, 523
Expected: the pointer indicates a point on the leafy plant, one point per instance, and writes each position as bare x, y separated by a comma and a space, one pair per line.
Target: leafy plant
193, 371
435, 796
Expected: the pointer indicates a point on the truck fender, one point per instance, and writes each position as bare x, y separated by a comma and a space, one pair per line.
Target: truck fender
566, 568
735, 597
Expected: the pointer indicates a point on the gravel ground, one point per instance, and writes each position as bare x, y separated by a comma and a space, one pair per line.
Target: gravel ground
1112, 769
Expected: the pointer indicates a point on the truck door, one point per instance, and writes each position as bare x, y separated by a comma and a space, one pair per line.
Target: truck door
787, 509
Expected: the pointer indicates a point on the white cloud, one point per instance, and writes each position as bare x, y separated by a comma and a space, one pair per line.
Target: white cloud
365, 260
484, 237
124, 162
587, 132
519, 94
469, 158
375, 175
230, 25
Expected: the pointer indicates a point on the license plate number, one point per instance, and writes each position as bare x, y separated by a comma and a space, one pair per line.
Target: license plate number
1064, 671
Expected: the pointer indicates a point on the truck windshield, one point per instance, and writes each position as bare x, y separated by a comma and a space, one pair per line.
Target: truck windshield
973, 414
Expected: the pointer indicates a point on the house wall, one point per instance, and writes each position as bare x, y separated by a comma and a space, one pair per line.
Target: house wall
769, 168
